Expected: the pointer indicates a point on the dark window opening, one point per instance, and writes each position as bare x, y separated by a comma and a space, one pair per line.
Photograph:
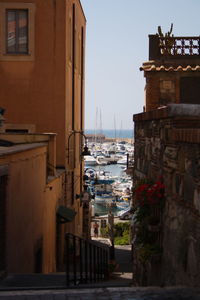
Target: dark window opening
190, 90
17, 31
17, 130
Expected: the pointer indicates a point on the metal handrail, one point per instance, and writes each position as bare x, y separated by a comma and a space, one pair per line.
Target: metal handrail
86, 262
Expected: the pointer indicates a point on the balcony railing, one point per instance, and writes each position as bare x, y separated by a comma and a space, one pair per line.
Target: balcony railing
177, 47
86, 262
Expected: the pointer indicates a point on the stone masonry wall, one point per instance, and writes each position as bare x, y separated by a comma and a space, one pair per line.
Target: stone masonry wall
167, 143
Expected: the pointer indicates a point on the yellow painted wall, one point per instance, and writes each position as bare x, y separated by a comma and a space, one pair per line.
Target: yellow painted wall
40, 91
30, 211
52, 198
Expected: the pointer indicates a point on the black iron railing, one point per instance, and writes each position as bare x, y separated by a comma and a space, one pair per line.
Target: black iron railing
86, 262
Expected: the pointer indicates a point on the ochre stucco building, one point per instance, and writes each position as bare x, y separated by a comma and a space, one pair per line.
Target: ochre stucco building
30, 196
42, 80
42, 52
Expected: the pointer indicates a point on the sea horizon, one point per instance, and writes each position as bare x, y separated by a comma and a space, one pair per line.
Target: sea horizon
111, 133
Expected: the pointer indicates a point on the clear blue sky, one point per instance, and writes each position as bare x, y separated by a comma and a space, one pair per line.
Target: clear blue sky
117, 45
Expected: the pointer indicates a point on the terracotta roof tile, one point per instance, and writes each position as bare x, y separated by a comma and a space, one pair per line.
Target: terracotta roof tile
151, 68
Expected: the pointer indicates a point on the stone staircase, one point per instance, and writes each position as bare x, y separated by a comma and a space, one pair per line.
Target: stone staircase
119, 286
110, 293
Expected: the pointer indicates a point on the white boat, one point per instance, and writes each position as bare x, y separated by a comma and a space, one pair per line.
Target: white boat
90, 161
101, 160
122, 187
122, 161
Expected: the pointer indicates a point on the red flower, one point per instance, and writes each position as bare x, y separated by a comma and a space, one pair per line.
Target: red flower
149, 193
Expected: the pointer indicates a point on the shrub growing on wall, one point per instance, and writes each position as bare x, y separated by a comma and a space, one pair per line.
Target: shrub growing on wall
121, 233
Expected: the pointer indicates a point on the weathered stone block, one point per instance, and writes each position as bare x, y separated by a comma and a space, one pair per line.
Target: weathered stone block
170, 152
188, 188
197, 199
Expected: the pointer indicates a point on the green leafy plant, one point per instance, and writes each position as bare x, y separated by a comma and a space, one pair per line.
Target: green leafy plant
120, 228
104, 232
122, 233
124, 240
147, 251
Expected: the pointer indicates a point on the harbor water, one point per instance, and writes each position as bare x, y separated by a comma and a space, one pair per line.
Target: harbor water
111, 133
113, 170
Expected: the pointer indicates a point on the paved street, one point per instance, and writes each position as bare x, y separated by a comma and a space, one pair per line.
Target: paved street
123, 293
123, 273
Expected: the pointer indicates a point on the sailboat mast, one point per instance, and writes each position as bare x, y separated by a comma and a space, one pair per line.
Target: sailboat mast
95, 133
115, 128
101, 131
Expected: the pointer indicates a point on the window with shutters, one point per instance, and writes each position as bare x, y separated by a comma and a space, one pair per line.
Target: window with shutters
17, 31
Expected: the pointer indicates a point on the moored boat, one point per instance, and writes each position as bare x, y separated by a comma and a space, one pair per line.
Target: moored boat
123, 160
101, 160
90, 161
105, 199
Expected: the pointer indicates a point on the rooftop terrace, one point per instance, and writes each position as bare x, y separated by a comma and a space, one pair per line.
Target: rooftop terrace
171, 47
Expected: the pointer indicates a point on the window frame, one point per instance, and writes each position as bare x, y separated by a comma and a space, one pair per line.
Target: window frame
18, 56
17, 36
